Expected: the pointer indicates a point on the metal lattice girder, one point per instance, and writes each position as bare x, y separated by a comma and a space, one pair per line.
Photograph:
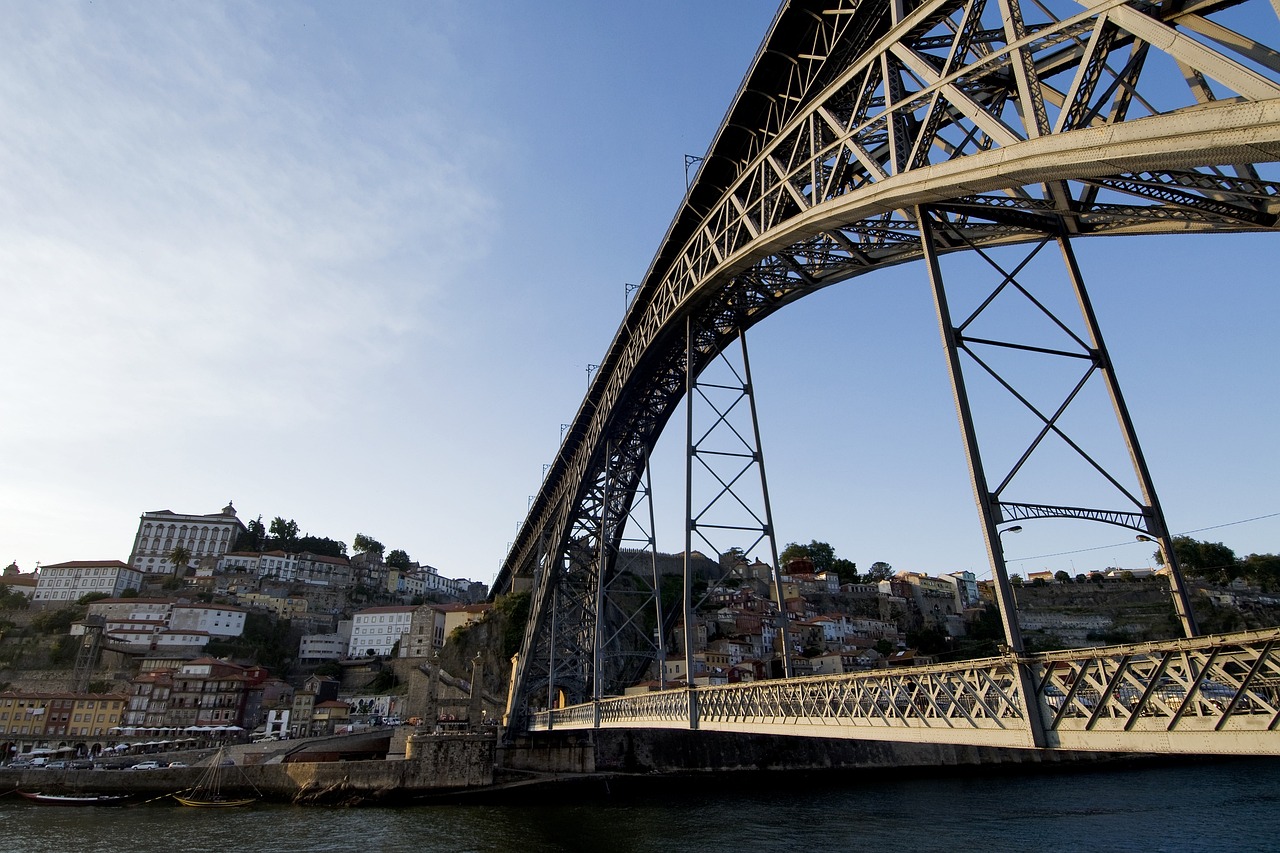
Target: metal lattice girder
1207, 695
978, 703
1105, 118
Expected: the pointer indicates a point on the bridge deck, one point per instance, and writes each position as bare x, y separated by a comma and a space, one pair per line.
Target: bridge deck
1208, 695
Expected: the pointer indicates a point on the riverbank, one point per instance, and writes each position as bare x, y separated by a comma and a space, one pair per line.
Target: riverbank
438, 765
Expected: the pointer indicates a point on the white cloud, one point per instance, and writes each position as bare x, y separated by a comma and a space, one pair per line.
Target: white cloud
192, 223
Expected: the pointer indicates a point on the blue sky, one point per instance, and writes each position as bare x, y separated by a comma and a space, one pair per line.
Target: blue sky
348, 264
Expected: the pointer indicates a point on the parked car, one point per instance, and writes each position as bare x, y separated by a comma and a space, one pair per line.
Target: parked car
81, 764
56, 765
146, 765
177, 764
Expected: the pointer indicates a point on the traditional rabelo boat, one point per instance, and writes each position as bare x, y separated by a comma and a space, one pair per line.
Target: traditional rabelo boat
76, 799
207, 792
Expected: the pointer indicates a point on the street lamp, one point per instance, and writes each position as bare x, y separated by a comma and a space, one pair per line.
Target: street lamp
1005, 598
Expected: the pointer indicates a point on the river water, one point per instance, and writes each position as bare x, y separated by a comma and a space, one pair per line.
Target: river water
1206, 806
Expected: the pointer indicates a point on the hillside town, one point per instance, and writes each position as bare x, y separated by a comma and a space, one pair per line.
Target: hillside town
215, 631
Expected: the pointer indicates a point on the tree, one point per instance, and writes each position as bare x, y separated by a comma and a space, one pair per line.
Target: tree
180, 556
1062, 577
55, 621
1263, 570
321, 545
879, 571
252, 538
367, 545
285, 531
11, 599
823, 557
1212, 561
399, 559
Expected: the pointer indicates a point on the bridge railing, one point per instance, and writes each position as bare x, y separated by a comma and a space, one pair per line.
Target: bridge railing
1218, 694
1221, 691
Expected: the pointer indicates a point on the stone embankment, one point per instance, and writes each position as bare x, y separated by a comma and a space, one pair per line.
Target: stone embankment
436, 767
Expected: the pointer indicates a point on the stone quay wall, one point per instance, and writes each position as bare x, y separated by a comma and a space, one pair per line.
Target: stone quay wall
436, 766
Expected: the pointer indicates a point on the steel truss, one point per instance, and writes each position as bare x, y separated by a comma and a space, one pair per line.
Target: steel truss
1078, 344
1210, 695
1009, 121
733, 518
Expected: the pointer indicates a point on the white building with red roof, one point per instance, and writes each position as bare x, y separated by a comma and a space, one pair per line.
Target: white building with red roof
161, 531
64, 583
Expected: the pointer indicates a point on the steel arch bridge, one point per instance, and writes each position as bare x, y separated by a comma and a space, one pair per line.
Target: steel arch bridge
870, 133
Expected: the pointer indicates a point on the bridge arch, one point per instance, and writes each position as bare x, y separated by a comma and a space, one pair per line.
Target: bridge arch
1007, 128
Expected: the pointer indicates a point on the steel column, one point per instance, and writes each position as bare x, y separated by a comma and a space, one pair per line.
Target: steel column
1156, 524
977, 475
783, 633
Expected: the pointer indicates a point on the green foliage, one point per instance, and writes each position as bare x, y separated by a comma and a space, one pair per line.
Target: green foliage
398, 559
320, 545
988, 625
1212, 561
928, 641
367, 545
55, 621
879, 571
514, 610
1263, 570
823, 557
286, 532
266, 640
252, 538
91, 597
98, 687
384, 681
330, 668
884, 647
180, 556
129, 592
64, 651
1062, 577
12, 599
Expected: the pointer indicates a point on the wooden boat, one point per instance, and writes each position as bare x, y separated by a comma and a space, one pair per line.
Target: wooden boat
76, 799
203, 801
207, 792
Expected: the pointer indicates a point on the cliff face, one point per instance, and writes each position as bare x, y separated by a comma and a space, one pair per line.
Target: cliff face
1063, 615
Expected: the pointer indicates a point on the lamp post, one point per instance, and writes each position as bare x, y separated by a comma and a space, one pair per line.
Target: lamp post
1004, 590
